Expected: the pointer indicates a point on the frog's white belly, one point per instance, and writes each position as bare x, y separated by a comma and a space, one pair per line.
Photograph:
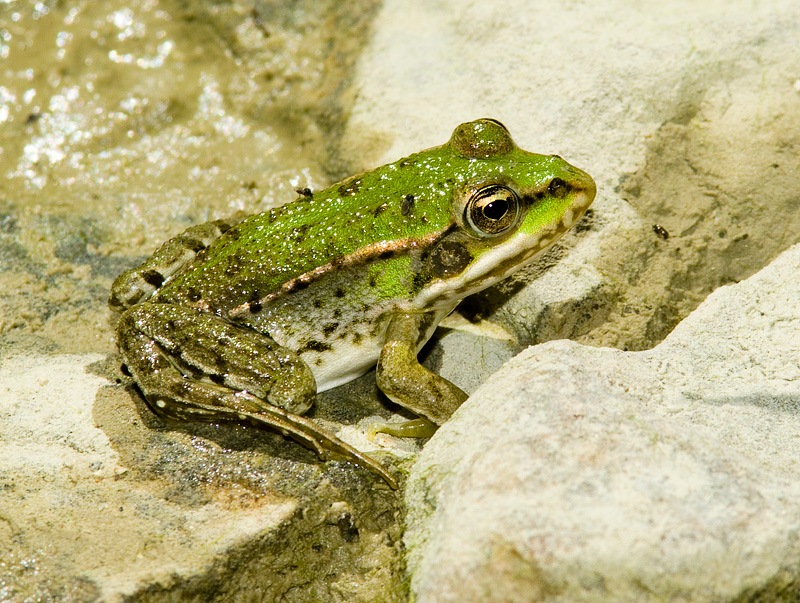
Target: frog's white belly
346, 362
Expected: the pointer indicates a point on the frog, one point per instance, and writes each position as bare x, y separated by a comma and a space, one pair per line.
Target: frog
247, 319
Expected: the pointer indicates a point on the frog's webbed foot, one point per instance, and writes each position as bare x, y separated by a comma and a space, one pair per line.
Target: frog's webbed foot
198, 367
414, 428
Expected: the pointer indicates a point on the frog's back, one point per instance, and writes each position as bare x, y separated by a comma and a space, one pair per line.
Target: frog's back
375, 216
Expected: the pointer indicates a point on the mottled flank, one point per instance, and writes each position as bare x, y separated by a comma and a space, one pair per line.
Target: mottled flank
449, 258
314, 346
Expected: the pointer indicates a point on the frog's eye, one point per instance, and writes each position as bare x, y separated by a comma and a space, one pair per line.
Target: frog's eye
493, 210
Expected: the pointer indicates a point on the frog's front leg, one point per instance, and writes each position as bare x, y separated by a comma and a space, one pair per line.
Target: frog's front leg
405, 381
196, 366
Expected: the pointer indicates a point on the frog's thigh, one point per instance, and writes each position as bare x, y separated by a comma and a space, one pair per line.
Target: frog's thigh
182, 358
133, 286
405, 381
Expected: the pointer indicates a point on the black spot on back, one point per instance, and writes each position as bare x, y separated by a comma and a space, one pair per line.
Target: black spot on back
300, 233
407, 206
233, 265
350, 187
153, 277
222, 225
193, 244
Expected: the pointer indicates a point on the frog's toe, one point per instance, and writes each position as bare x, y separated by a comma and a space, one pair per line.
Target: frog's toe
415, 428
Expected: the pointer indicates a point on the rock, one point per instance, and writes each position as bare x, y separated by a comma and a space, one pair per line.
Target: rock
98, 501
687, 117
583, 474
467, 354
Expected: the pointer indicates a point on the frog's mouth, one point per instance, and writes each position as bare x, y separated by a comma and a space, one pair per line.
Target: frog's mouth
498, 263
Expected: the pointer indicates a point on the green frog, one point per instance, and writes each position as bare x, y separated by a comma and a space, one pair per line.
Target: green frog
246, 320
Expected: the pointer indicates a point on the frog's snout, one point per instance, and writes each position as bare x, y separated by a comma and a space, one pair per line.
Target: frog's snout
589, 190
585, 191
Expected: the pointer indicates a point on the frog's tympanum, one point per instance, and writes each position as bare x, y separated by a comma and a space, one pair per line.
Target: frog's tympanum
247, 320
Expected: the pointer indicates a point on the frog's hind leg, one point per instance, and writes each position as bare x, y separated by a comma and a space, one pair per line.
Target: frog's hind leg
197, 367
138, 284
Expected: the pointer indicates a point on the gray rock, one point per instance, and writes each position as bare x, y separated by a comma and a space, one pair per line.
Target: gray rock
584, 474
99, 501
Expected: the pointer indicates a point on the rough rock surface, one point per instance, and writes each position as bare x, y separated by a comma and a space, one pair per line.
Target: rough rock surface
99, 502
585, 474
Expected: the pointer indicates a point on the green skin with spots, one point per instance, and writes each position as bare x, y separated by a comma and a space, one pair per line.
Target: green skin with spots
248, 320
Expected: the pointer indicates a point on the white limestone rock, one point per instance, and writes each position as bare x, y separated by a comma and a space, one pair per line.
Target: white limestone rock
98, 501
589, 474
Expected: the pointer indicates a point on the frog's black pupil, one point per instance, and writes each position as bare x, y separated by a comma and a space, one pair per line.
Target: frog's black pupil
496, 209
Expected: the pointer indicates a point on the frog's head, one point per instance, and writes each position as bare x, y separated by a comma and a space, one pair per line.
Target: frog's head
509, 206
